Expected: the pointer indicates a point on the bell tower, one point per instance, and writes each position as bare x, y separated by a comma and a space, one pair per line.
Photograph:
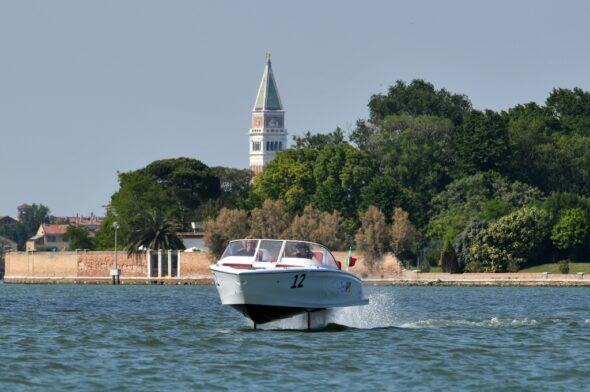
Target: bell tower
268, 134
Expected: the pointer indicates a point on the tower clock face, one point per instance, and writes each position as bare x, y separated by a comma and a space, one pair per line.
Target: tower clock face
257, 121
275, 122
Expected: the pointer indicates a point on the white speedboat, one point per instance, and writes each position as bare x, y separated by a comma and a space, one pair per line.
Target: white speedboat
268, 279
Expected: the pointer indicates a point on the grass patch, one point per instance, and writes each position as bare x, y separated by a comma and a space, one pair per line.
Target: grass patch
553, 268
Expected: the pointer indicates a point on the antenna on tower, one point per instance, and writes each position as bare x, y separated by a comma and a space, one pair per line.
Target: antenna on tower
267, 55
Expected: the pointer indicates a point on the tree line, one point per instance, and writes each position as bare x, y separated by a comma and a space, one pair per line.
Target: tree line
425, 176
484, 190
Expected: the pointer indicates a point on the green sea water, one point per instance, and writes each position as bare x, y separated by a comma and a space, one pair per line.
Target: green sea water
154, 338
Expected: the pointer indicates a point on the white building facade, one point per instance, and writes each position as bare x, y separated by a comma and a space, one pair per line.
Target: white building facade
268, 134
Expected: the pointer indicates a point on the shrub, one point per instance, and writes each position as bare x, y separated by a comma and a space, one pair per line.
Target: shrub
317, 226
564, 266
373, 236
572, 230
448, 258
270, 221
463, 242
506, 244
229, 225
424, 266
403, 232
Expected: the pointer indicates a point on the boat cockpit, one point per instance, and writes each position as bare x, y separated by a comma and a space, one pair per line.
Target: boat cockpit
280, 253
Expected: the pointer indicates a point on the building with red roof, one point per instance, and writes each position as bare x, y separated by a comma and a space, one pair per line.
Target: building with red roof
49, 237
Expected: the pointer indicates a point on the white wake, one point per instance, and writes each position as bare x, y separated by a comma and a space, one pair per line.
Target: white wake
379, 313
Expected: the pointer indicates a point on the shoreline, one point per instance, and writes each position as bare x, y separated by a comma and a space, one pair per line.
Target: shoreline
405, 278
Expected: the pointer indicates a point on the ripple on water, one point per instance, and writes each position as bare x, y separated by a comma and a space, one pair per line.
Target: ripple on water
494, 322
181, 338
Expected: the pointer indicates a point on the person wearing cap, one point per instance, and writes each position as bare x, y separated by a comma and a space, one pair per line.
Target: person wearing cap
302, 251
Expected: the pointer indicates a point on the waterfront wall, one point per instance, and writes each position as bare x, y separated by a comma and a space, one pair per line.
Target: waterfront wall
96, 266
50, 264
485, 279
89, 264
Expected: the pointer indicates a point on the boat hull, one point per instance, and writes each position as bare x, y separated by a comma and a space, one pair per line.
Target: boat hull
267, 295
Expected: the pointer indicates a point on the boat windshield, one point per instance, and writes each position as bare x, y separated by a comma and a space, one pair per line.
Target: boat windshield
269, 250
245, 248
309, 250
275, 250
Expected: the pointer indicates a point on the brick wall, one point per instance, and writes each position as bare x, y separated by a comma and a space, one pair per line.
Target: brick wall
95, 264
99, 264
195, 264
46, 264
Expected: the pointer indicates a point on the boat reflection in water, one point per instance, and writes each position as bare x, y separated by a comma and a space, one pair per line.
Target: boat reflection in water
269, 279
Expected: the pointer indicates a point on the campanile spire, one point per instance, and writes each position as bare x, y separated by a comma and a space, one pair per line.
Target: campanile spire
268, 134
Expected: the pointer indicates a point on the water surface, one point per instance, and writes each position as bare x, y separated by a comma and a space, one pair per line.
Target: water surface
70, 337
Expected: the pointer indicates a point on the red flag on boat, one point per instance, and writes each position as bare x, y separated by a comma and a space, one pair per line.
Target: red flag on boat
350, 261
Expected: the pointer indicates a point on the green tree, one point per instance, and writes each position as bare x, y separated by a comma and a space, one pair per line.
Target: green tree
572, 231
568, 159
15, 232
446, 225
363, 134
484, 196
320, 140
176, 188
571, 109
187, 182
385, 192
481, 143
471, 193
529, 131
463, 242
509, 242
416, 99
341, 172
373, 236
138, 192
153, 229
414, 154
33, 216
105, 235
79, 238
235, 185
289, 177
558, 202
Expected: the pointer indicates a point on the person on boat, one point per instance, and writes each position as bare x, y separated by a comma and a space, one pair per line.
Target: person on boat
302, 251
249, 248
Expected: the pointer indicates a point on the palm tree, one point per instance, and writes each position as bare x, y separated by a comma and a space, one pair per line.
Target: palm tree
153, 230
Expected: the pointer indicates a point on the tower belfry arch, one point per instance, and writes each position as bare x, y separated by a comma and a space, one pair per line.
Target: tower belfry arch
268, 134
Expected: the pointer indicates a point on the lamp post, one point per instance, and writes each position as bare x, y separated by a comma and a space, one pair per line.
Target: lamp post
115, 273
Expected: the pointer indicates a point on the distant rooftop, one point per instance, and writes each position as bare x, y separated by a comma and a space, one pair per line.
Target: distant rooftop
78, 220
55, 229
6, 220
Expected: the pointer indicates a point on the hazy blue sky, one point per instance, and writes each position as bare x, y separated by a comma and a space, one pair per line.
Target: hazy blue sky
89, 88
